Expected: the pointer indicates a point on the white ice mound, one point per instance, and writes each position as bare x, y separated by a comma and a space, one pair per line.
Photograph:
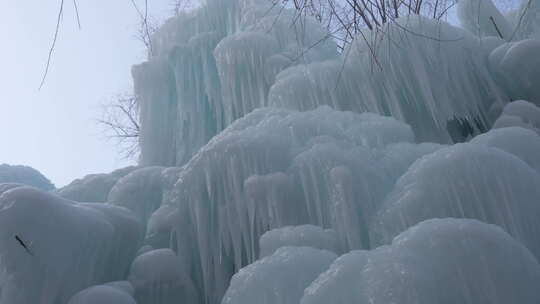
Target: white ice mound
520, 113
517, 69
24, 175
433, 73
298, 236
70, 246
276, 168
280, 278
465, 181
159, 278
443, 261
521, 142
102, 294
140, 191
93, 188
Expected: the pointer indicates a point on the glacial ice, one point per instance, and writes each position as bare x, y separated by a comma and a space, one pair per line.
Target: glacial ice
482, 18
279, 278
441, 261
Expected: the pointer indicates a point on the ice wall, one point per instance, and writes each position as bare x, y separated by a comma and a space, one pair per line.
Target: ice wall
212, 66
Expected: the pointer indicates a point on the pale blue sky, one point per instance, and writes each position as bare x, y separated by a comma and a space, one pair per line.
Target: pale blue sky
53, 130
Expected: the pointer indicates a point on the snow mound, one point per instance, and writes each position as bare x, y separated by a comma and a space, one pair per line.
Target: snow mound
442, 261
279, 278
298, 236
102, 294
465, 181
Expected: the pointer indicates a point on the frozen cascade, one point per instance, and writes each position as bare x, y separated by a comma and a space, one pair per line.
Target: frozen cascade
265, 154
273, 168
210, 67
424, 82
443, 261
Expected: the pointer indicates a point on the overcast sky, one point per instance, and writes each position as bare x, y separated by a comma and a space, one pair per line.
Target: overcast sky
54, 130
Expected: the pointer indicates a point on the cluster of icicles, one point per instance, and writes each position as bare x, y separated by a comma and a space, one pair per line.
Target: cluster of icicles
276, 171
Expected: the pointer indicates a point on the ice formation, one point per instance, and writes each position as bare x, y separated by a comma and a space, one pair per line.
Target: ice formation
93, 188
24, 175
521, 142
159, 277
265, 154
102, 294
70, 246
440, 261
520, 114
298, 236
139, 191
279, 278
516, 66
465, 181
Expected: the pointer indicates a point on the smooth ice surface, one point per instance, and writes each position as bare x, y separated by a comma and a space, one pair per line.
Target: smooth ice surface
516, 66
443, 261
102, 294
139, 191
520, 113
70, 246
93, 188
465, 181
279, 278
298, 236
521, 142
159, 278
24, 175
